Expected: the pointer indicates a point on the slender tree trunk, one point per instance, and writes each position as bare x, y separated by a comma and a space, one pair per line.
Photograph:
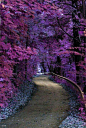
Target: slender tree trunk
76, 40
43, 66
84, 15
84, 8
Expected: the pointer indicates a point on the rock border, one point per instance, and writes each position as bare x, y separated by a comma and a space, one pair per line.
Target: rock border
22, 97
73, 120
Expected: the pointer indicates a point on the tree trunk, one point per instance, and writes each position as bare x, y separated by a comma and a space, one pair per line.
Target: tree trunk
84, 8
76, 40
84, 15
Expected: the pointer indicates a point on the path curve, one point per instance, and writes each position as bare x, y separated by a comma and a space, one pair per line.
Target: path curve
47, 109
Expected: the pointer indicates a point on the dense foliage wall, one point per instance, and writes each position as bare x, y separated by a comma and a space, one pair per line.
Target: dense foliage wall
14, 53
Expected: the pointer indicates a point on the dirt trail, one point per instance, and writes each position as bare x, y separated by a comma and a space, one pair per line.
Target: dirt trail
47, 109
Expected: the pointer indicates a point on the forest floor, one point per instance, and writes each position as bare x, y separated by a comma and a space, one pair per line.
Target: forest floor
47, 109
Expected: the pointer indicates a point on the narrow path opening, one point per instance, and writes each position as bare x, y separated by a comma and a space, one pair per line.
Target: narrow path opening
47, 109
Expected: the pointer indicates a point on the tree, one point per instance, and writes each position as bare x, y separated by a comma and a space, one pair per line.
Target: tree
12, 44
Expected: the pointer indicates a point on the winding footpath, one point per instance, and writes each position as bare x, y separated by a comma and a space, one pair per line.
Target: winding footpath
47, 108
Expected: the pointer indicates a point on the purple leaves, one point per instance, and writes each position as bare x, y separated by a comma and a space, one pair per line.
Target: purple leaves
81, 33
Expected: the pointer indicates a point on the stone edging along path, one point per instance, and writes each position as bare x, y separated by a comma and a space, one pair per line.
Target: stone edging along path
23, 95
47, 109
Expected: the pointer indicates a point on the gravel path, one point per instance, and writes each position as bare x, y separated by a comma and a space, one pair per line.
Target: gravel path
73, 122
47, 109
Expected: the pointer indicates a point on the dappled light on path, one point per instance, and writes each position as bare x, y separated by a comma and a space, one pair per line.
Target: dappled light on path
47, 108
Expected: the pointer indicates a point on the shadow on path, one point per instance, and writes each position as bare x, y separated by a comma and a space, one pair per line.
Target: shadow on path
47, 109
